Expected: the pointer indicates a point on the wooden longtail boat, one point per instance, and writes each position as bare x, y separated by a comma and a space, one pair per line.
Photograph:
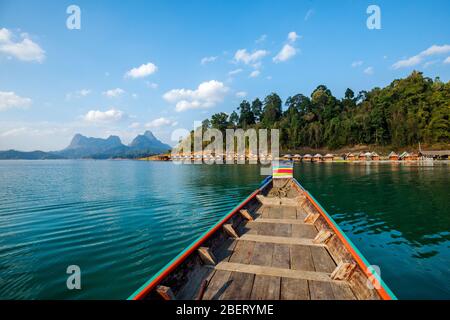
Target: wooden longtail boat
279, 243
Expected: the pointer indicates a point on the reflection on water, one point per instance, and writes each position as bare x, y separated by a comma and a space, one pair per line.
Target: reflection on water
121, 221
398, 215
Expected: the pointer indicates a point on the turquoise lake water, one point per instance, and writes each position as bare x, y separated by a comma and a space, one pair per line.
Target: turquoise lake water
121, 221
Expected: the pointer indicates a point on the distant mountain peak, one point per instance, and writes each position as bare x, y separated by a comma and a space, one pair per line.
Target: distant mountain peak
150, 135
149, 142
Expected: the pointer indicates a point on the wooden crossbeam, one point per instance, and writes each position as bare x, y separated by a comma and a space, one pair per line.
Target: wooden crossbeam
323, 236
343, 271
274, 272
279, 240
246, 214
207, 256
228, 228
165, 292
311, 218
282, 221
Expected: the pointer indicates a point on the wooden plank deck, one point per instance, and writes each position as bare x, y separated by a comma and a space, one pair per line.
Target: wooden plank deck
275, 258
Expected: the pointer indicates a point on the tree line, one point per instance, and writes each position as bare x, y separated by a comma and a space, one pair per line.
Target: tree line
407, 111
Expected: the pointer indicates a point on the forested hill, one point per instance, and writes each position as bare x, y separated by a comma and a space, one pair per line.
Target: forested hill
404, 113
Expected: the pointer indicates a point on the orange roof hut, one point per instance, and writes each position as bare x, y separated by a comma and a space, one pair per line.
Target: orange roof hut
393, 156
328, 157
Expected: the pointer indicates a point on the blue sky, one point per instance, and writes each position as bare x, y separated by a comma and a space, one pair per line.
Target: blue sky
138, 65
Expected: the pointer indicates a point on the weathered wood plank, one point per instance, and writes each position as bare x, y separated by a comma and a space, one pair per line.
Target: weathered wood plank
322, 260
274, 272
266, 288
301, 213
240, 287
360, 286
279, 240
288, 212
301, 258
294, 289
224, 252
304, 231
281, 230
242, 252
320, 290
217, 285
342, 291
285, 221
281, 256
262, 254
165, 293
263, 229
195, 278
275, 212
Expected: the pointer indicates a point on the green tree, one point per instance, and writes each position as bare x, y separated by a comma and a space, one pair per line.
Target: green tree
246, 116
272, 110
257, 109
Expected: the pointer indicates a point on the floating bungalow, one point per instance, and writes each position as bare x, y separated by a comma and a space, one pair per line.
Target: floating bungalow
413, 156
297, 157
404, 156
368, 156
393, 156
328, 157
307, 158
287, 157
375, 156
317, 157
362, 156
350, 157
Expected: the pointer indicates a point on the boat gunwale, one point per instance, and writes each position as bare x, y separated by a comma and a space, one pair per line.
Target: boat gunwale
183, 255
383, 290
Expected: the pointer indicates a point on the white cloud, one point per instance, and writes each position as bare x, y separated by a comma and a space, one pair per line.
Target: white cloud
358, 63
114, 93
152, 85
9, 100
23, 49
447, 60
84, 92
255, 74
14, 132
111, 115
206, 60
285, 53
207, 95
234, 72
249, 58
293, 36
142, 71
369, 70
415, 60
134, 125
161, 122
78, 94
241, 94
